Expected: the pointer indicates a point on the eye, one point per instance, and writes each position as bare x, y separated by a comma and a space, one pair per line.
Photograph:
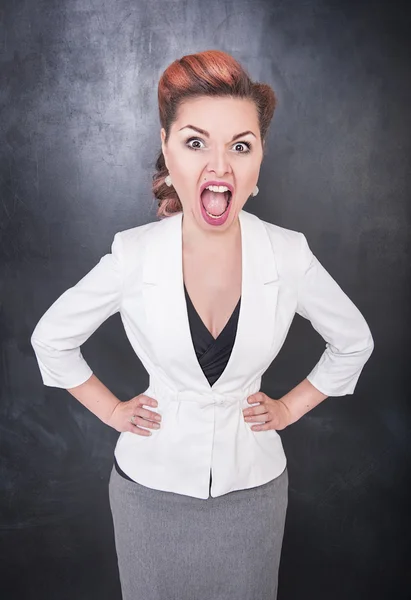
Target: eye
194, 139
247, 144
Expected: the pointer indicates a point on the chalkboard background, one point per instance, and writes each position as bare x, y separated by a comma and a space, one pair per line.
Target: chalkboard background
79, 135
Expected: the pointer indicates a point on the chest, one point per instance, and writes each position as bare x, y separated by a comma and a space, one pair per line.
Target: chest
214, 286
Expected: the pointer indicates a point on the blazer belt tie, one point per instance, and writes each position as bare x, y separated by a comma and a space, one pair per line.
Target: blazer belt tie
204, 399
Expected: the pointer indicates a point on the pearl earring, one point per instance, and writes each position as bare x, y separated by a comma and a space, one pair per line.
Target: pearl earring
255, 192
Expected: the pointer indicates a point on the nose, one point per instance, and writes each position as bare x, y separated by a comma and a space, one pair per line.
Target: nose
219, 162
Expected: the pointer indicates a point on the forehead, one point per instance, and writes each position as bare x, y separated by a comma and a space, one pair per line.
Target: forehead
218, 115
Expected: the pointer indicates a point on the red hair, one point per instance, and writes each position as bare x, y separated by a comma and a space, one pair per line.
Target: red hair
208, 73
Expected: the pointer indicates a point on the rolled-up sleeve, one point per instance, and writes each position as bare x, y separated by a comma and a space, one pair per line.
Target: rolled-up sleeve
72, 319
335, 317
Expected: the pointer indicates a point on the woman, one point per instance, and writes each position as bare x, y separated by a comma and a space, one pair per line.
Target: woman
199, 486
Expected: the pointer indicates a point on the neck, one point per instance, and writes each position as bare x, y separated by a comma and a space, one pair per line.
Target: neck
196, 239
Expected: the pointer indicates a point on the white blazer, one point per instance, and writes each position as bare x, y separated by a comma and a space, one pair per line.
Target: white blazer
203, 426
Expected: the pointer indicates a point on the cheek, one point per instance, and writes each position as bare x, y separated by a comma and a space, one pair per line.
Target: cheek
186, 172
247, 178
183, 166
253, 174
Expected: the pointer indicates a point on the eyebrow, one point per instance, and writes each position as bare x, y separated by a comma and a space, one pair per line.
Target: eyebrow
203, 132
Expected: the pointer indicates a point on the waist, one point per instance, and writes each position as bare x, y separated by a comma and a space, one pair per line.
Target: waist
201, 431
202, 398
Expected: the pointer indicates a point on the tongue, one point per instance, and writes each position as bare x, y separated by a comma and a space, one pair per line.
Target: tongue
214, 202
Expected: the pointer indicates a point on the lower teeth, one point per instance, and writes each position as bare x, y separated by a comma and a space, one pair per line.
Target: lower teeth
216, 216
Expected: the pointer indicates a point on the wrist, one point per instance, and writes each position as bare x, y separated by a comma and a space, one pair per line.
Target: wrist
108, 420
301, 399
290, 417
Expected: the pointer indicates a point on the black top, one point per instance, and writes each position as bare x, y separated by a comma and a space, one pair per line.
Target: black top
212, 353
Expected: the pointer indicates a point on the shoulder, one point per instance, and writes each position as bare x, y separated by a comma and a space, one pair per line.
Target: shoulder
137, 236
290, 246
131, 238
279, 236
128, 244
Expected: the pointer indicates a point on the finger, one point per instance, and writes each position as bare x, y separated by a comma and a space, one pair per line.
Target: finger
137, 430
255, 410
254, 403
142, 432
145, 423
257, 397
147, 414
143, 399
257, 417
263, 427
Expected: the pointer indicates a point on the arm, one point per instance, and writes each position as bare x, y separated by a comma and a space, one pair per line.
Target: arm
69, 322
300, 400
349, 342
96, 397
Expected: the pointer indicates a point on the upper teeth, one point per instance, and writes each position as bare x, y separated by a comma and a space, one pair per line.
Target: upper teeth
217, 188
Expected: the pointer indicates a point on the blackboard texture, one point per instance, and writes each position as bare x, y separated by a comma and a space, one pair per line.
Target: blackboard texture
79, 134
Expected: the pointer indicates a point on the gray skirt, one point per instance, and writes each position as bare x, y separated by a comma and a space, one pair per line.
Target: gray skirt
175, 547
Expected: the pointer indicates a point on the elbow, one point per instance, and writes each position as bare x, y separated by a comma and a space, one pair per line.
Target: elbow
38, 342
371, 346
360, 341
364, 346
356, 348
368, 343
361, 350
35, 340
38, 348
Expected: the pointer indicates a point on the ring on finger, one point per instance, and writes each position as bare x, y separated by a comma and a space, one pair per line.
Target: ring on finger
132, 419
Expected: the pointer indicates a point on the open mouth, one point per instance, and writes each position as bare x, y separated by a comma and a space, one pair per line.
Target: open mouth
215, 204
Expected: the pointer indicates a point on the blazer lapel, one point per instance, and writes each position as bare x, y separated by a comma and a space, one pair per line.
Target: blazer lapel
168, 330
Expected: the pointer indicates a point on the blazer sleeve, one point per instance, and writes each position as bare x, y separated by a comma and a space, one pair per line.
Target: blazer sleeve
73, 317
335, 317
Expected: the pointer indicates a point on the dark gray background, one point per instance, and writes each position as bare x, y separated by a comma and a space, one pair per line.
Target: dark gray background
79, 136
